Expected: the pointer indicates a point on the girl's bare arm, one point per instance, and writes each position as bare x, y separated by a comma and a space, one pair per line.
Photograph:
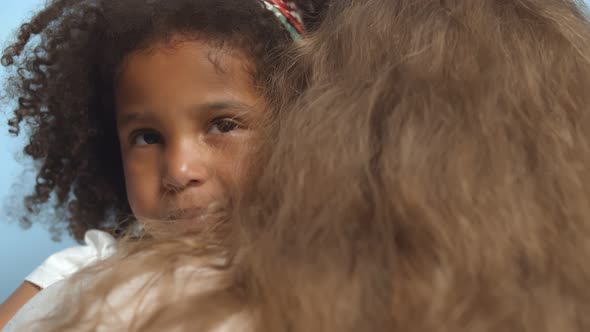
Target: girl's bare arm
13, 304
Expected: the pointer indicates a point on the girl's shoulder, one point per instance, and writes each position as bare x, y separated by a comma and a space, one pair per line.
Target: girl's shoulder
98, 245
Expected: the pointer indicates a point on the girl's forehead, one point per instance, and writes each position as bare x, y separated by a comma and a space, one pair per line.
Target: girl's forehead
188, 62
185, 50
183, 76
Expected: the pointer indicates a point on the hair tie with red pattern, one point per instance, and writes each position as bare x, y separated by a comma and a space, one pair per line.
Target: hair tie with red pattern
288, 14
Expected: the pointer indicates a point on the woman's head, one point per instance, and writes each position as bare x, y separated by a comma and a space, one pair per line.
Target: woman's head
439, 177
165, 96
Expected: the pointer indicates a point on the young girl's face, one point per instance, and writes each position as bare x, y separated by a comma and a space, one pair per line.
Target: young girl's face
187, 118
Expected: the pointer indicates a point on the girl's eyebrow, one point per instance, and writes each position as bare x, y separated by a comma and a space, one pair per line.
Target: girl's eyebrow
235, 107
125, 118
222, 105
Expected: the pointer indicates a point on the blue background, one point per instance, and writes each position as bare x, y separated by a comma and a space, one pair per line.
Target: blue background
20, 250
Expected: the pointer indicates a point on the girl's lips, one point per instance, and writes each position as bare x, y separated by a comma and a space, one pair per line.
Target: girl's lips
196, 215
214, 210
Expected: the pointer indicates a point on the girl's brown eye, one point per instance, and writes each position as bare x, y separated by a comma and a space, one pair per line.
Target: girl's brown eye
222, 126
146, 138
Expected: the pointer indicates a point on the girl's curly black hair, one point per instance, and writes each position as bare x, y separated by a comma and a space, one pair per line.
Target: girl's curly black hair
65, 61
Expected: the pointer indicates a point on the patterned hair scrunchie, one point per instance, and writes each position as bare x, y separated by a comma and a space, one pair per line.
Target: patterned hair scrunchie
288, 14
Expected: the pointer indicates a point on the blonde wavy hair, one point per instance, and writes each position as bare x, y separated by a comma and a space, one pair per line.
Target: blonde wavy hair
434, 176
